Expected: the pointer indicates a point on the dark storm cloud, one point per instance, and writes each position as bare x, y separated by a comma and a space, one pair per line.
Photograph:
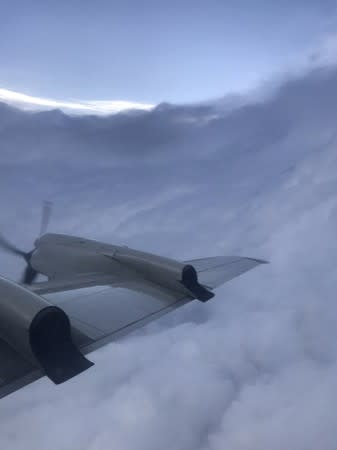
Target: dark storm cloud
255, 368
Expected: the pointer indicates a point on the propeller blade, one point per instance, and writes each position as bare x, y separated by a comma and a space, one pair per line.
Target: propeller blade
29, 275
10, 248
45, 218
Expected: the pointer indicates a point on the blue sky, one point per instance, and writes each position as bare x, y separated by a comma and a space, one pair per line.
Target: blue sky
154, 51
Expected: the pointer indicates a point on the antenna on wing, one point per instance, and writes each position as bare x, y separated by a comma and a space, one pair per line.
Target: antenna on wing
29, 274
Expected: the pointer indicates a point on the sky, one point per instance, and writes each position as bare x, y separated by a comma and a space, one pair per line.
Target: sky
253, 369
154, 51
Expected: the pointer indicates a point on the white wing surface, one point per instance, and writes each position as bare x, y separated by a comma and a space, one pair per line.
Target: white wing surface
217, 270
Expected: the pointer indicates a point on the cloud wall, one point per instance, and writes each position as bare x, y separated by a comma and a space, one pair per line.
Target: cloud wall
254, 369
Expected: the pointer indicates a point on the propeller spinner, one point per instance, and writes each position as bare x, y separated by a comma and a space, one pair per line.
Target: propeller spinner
29, 274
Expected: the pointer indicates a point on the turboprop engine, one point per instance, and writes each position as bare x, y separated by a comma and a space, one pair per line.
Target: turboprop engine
40, 332
166, 272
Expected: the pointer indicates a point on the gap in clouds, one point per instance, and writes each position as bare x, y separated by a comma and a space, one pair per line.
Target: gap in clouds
97, 107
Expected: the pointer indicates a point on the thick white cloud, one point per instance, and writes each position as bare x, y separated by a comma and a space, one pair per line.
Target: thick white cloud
254, 369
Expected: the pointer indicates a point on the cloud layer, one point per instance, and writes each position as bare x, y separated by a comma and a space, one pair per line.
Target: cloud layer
255, 369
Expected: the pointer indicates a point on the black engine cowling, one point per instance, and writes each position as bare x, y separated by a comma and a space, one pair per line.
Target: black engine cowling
52, 345
189, 279
166, 272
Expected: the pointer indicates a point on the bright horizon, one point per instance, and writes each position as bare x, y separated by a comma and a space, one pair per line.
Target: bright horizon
179, 52
30, 102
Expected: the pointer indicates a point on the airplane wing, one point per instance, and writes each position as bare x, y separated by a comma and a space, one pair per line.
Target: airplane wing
100, 315
212, 273
217, 270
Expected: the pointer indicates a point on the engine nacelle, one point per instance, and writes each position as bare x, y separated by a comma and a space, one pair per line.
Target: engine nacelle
166, 272
40, 332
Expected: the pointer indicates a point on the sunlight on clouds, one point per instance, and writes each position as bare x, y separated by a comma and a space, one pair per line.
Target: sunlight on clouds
103, 107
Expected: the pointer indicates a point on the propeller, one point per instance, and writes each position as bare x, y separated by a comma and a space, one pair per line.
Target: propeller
45, 216
29, 274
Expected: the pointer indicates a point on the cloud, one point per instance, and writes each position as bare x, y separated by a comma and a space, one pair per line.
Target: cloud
32, 103
326, 51
253, 369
